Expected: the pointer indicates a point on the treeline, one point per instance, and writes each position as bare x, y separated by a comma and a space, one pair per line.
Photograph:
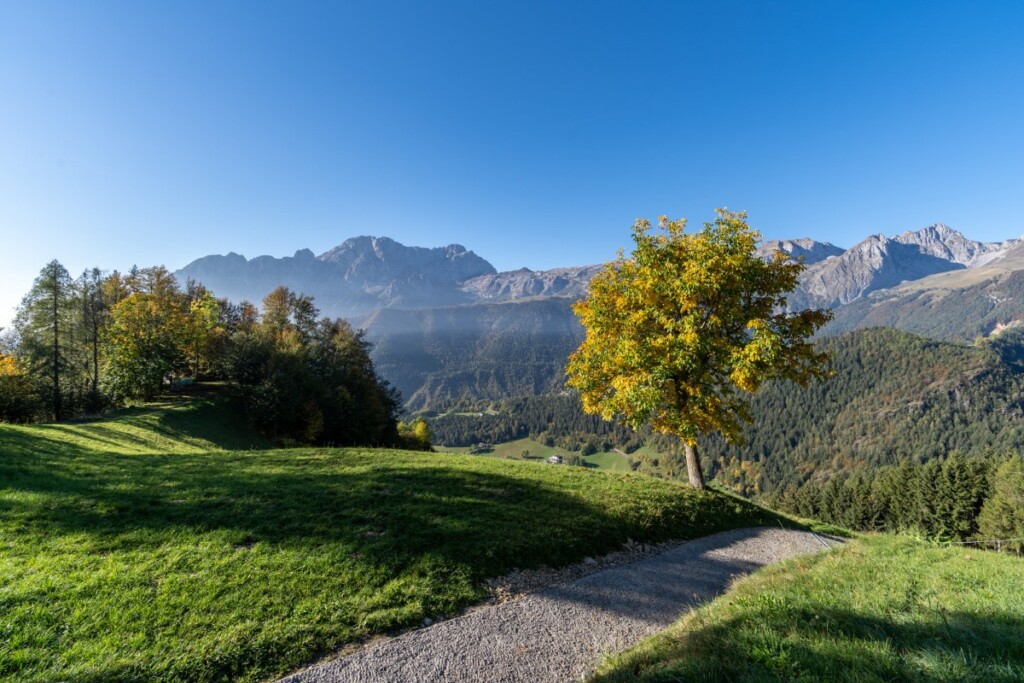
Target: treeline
80, 346
951, 499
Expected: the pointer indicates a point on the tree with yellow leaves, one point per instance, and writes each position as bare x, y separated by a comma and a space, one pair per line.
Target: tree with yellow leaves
681, 332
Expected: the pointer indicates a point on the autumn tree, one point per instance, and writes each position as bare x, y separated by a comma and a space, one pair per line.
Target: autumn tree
17, 395
204, 329
145, 342
416, 435
679, 334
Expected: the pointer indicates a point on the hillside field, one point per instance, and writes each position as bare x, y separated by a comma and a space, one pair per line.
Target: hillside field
167, 543
883, 608
608, 461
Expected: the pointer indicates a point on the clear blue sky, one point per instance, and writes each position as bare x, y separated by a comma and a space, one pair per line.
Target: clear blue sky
532, 133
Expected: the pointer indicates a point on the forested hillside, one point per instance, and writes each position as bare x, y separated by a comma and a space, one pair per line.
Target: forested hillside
485, 351
895, 397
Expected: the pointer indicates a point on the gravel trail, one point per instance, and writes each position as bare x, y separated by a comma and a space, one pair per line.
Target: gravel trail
562, 632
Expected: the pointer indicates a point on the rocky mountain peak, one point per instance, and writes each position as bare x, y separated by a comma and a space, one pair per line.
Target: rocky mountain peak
950, 245
381, 259
810, 250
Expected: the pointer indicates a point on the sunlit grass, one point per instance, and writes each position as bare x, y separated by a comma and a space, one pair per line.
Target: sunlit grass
883, 608
142, 548
536, 451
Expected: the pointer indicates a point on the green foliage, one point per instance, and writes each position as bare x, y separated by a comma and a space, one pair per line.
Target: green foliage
683, 330
941, 499
18, 396
144, 344
559, 418
882, 608
416, 435
134, 549
309, 381
1002, 517
43, 324
302, 379
895, 397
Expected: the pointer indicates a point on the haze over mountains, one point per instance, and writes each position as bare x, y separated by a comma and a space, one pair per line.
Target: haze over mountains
366, 273
448, 325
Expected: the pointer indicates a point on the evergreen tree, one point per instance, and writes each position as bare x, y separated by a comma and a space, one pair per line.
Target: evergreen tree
43, 328
1002, 515
93, 318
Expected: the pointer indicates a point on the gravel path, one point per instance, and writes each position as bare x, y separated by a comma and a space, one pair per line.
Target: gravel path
561, 633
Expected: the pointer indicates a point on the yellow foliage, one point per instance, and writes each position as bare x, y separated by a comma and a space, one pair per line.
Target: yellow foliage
681, 332
8, 366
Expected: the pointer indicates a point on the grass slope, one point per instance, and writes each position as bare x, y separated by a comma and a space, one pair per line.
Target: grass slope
141, 547
513, 450
883, 608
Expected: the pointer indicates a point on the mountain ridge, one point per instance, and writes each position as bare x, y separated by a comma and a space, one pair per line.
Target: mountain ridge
365, 272
447, 325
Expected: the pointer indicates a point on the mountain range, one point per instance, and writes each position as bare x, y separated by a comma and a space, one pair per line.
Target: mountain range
447, 324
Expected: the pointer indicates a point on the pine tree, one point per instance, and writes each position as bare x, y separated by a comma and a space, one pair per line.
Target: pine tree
93, 318
1002, 516
42, 323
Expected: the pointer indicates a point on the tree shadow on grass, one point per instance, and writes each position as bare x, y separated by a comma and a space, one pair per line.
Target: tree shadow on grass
398, 525
838, 645
384, 508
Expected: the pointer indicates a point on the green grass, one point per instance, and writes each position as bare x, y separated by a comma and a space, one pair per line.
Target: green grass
152, 546
883, 608
513, 450
608, 461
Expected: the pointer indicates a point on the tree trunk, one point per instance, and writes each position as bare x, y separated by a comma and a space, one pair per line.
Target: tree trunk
693, 466
95, 357
56, 352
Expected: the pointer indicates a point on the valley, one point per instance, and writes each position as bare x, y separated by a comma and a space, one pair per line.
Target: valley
519, 342
221, 520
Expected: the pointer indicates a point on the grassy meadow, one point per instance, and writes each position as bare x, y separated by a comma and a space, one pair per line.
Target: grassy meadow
608, 461
167, 543
882, 608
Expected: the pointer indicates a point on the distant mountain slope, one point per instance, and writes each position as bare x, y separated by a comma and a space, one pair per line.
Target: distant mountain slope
959, 305
526, 283
811, 251
879, 262
942, 241
486, 351
366, 273
895, 396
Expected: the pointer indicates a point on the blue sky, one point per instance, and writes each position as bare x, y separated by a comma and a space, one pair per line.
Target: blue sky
532, 133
